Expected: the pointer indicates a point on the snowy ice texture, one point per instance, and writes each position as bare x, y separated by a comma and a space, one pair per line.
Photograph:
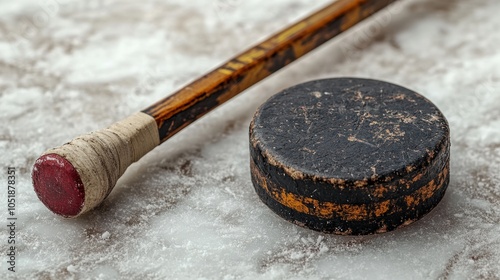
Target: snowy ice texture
188, 209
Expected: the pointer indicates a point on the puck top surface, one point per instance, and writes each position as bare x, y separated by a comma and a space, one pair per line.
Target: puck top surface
350, 129
349, 155
58, 185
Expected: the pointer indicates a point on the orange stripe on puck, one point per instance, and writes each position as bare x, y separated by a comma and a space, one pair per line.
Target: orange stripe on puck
347, 212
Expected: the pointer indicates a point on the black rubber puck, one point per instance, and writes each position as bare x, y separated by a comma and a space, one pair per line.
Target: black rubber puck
349, 156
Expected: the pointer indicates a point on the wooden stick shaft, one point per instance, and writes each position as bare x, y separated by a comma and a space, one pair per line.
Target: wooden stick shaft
203, 95
77, 176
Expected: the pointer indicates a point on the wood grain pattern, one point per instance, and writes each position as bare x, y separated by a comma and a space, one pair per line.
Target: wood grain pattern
198, 98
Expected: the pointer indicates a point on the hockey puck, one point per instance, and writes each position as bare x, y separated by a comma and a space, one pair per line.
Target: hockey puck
349, 156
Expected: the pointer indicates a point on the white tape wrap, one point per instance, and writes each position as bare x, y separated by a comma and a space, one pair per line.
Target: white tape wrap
101, 157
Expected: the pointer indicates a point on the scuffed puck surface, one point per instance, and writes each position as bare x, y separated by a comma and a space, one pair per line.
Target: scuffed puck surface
349, 156
58, 185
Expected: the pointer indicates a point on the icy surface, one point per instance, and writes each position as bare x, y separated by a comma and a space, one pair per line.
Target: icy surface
188, 209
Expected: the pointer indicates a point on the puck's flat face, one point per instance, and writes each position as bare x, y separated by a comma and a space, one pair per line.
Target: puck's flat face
350, 156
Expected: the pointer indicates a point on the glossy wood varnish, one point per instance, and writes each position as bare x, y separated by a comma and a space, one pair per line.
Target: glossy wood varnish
177, 111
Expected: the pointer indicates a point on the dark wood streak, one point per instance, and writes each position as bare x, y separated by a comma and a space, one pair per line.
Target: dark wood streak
203, 95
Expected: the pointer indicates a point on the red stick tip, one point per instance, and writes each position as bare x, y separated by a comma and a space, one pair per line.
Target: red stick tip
58, 185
